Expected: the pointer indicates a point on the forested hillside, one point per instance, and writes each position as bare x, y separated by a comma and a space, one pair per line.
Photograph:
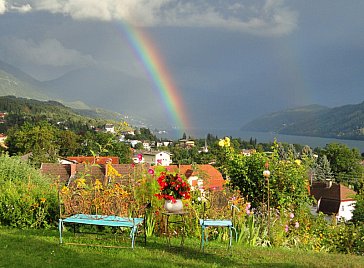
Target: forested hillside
345, 122
21, 109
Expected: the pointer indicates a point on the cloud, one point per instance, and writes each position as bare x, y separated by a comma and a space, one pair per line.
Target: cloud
269, 17
2, 6
21, 9
48, 52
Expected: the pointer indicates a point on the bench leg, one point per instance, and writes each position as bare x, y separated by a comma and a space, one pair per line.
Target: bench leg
230, 236
60, 228
132, 235
202, 237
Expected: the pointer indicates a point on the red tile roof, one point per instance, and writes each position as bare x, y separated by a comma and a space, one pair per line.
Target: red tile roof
335, 192
331, 196
94, 160
91, 172
63, 172
211, 176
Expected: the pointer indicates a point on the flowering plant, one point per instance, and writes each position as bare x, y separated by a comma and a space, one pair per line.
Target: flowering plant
172, 187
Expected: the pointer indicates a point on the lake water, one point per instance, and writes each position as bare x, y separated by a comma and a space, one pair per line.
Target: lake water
263, 137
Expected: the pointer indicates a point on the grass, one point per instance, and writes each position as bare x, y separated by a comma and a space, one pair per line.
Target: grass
40, 248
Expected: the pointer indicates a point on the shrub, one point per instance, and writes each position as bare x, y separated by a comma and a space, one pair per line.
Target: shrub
27, 198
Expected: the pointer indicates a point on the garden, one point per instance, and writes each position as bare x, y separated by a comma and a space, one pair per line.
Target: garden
272, 217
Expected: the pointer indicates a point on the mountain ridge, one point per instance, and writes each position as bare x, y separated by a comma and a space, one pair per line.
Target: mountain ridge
14, 82
342, 122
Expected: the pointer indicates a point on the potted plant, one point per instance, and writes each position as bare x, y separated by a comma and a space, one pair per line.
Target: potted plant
173, 188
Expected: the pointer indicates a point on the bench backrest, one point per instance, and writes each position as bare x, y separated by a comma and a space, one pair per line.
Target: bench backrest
96, 199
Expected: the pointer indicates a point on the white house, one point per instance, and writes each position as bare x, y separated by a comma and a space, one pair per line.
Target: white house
2, 138
157, 158
334, 199
147, 146
110, 128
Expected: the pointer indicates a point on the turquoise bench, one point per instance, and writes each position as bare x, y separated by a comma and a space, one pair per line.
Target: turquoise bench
89, 202
103, 220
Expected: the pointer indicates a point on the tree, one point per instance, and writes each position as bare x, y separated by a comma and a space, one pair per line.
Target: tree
69, 143
40, 139
288, 180
121, 150
322, 169
358, 213
344, 162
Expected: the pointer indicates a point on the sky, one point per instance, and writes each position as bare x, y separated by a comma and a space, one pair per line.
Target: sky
225, 62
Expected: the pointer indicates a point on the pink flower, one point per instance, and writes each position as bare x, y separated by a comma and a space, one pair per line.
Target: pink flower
291, 215
296, 225
159, 161
286, 228
140, 157
151, 171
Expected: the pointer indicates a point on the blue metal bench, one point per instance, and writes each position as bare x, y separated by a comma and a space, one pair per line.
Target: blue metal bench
112, 205
219, 204
103, 220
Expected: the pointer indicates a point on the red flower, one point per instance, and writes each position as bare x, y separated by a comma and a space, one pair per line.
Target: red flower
172, 187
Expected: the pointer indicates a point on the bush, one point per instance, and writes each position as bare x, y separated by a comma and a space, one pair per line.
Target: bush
27, 198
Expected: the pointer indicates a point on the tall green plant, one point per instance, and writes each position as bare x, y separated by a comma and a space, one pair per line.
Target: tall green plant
27, 199
288, 179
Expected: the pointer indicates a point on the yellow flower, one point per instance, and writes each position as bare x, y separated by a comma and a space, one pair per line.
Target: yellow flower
298, 162
221, 143
224, 142
98, 185
227, 142
111, 171
42, 200
81, 183
65, 190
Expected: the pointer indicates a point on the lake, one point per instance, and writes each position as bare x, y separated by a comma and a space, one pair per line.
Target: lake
263, 137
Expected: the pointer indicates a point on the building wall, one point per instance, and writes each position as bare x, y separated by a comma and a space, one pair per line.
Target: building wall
163, 159
346, 210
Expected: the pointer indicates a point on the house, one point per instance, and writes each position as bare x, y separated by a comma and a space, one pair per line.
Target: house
147, 145
2, 138
110, 128
2, 118
133, 143
186, 143
164, 143
248, 152
157, 158
2, 115
200, 176
334, 199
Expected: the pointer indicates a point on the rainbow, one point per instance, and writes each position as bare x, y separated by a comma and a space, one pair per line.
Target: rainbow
157, 72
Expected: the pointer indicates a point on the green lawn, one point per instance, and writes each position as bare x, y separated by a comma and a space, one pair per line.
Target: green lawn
38, 248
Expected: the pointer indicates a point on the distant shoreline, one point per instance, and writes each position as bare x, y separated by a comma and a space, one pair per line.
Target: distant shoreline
265, 137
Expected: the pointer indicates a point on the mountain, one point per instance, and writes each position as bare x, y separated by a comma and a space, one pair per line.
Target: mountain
14, 82
344, 122
107, 88
17, 83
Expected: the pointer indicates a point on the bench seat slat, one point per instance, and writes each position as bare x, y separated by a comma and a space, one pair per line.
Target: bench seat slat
104, 220
216, 223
